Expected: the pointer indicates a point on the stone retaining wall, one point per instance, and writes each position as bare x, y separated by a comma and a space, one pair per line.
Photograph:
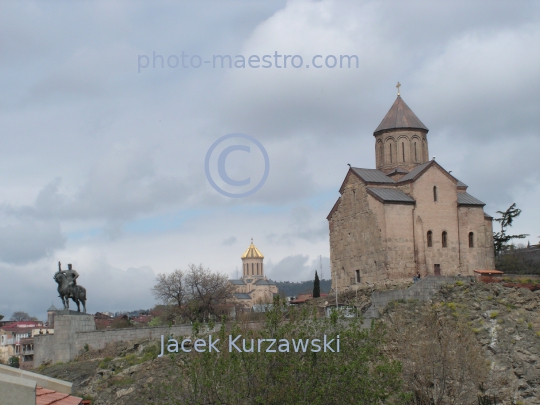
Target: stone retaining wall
421, 291
72, 331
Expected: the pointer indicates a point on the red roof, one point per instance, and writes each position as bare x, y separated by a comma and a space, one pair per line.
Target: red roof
489, 272
23, 325
45, 396
16, 329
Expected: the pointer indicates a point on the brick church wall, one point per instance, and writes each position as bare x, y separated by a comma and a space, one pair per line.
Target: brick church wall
356, 236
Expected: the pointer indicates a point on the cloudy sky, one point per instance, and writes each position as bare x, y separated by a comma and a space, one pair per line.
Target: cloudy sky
104, 132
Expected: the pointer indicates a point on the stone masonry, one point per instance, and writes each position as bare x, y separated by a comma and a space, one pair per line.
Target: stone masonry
408, 216
74, 330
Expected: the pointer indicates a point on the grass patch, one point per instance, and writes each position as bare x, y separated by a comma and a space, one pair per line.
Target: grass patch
459, 283
105, 362
494, 314
121, 382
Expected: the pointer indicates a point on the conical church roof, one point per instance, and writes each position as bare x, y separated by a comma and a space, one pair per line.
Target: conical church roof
400, 116
252, 252
52, 308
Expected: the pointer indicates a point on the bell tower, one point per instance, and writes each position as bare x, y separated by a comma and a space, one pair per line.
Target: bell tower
400, 139
252, 263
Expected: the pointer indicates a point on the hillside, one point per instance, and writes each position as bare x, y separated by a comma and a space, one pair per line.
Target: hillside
503, 323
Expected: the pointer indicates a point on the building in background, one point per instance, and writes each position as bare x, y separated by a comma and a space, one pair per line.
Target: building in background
17, 339
51, 314
407, 216
253, 287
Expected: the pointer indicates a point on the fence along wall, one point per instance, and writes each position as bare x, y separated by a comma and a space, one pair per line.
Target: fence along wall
73, 332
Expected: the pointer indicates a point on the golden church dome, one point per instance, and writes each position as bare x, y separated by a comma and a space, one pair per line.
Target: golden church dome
252, 252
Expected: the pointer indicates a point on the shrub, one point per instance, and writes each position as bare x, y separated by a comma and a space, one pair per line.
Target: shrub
361, 366
105, 362
13, 361
448, 369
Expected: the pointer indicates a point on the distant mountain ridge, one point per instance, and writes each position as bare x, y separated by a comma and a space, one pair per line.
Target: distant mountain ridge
293, 289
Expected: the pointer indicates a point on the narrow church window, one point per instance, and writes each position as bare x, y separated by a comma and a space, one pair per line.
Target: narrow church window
390, 153
252, 271
471, 239
257, 268
415, 158
429, 239
357, 276
403, 151
444, 243
435, 193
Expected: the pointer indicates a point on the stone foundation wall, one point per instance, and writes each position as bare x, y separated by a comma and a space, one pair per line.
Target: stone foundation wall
73, 331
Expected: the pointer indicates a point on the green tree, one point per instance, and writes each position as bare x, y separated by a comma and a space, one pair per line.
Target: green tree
360, 373
501, 239
1, 317
316, 286
13, 361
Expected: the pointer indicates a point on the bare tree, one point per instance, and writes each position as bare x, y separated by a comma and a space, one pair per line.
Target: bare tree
206, 290
170, 288
22, 316
442, 360
196, 293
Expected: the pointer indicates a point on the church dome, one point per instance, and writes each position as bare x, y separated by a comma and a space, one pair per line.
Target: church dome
252, 252
400, 116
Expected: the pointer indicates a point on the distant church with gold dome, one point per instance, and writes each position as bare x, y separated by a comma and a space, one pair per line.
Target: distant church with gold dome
253, 287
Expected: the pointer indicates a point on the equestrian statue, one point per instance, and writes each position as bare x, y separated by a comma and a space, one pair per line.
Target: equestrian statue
68, 288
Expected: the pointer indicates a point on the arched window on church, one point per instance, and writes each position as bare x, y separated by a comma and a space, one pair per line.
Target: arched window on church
403, 151
390, 153
381, 154
444, 241
429, 239
252, 271
435, 193
415, 155
471, 239
257, 268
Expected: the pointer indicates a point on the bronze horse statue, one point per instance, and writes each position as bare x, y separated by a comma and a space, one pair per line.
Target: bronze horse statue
76, 292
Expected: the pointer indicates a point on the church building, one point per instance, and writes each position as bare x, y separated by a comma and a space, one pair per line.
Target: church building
253, 287
407, 216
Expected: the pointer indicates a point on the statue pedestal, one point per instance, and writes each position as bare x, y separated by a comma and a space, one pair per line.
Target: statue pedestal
70, 312
66, 326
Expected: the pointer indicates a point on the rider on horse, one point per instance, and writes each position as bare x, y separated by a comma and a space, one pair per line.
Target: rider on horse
71, 276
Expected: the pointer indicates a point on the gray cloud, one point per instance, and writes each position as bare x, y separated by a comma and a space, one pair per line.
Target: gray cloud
229, 241
297, 268
99, 160
24, 239
108, 288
